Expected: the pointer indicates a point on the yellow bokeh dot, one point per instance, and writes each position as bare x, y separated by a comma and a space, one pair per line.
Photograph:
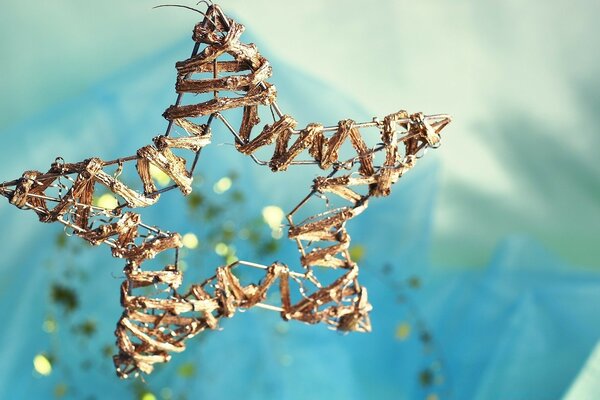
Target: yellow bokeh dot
49, 326
432, 396
222, 185
108, 201
402, 331
273, 216
221, 249
166, 393
148, 396
42, 365
190, 240
159, 175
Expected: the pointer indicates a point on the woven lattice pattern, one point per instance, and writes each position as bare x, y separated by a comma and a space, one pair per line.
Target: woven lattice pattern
234, 77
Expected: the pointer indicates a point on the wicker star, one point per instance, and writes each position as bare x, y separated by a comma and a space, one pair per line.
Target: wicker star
232, 77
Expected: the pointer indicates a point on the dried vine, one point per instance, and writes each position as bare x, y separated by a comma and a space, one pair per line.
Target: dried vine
153, 326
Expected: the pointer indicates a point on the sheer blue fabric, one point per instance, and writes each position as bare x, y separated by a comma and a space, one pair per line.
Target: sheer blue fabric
519, 328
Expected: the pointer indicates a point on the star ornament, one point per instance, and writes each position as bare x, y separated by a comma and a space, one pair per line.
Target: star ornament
223, 77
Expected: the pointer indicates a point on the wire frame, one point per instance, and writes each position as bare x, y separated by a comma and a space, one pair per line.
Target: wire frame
234, 76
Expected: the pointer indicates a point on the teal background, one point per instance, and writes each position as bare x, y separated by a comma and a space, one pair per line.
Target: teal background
501, 223
500, 68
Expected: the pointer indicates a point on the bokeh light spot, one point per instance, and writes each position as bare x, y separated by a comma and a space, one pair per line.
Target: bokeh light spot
221, 249
190, 240
159, 175
166, 393
273, 216
107, 201
49, 325
402, 331
42, 365
222, 185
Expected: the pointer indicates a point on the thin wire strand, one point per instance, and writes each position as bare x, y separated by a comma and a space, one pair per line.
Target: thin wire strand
179, 6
